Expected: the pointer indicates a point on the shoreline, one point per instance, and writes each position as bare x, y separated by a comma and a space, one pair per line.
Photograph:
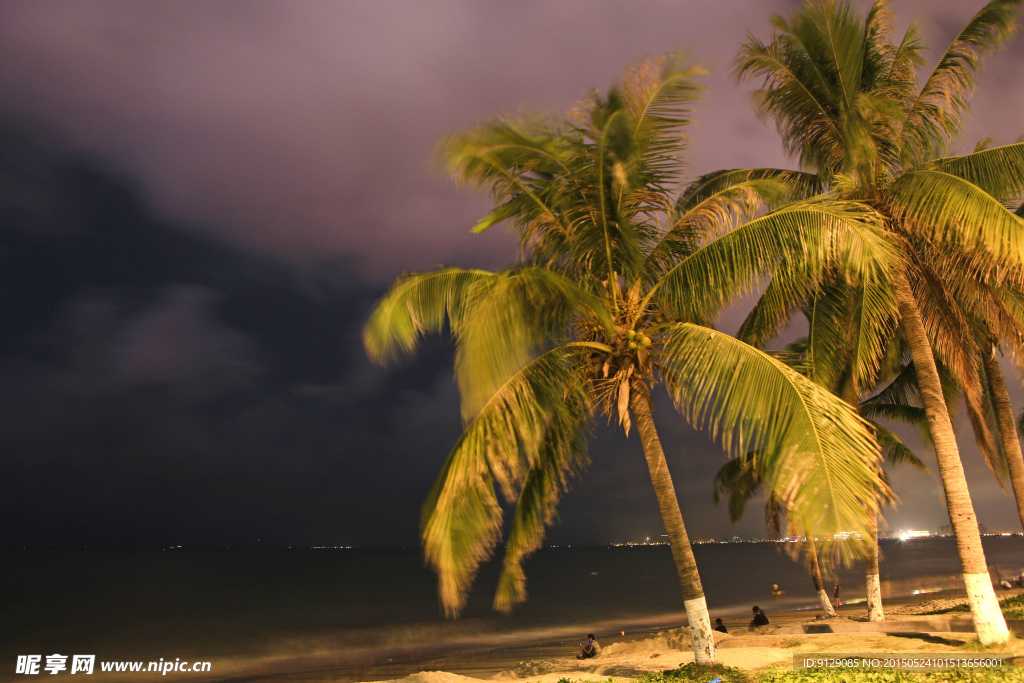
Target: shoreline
653, 649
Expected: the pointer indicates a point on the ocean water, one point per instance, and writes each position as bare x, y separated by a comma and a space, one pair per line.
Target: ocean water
275, 611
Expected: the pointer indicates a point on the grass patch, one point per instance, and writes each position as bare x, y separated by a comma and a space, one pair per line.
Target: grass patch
701, 673
1013, 608
697, 673
856, 676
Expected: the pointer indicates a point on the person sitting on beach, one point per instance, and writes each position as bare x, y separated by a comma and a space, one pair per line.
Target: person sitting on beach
760, 619
719, 626
591, 649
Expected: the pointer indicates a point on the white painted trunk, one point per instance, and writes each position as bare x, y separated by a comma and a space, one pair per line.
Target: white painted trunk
826, 604
988, 617
700, 630
875, 612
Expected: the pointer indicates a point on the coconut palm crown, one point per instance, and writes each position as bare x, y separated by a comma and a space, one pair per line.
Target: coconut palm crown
618, 280
847, 101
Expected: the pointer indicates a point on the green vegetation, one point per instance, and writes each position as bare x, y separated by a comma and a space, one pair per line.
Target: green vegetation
1013, 608
701, 673
858, 676
697, 673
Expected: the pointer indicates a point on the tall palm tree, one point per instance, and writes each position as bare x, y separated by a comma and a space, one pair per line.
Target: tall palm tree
739, 480
847, 102
826, 355
616, 285
896, 402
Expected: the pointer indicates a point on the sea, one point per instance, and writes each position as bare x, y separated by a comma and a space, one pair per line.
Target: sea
357, 614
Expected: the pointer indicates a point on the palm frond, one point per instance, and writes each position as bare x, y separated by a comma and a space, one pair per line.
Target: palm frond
893, 412
999, 171
562, 453
800, 185
801, 240
830, 333
509, 318
774, 309
516, 159
736, 480
986, 425
715, 214
875, 321
895, 451
417, 304
936, 116
535, 412
818, 456
838, 36
937, 205
660, 92
796, 94
1011, 321
990, 448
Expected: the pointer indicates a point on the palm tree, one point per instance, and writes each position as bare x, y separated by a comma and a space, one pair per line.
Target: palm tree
897, 402
614, 291
826, 355
740, 480
846, 101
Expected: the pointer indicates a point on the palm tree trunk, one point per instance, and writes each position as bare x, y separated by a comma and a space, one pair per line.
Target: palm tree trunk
989, 623
874, 583
812, 564
1007, 429
686, 566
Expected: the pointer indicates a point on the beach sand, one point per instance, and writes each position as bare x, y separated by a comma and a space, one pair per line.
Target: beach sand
629, 656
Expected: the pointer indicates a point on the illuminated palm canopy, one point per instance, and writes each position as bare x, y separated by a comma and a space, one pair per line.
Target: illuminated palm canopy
847, 101
618, 281
848, 104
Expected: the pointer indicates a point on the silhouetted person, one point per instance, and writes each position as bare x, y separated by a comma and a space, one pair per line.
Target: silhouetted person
760, 619
590, 649
835, 594
719, 626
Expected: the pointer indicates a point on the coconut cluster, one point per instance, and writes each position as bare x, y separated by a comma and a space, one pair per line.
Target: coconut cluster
637, 339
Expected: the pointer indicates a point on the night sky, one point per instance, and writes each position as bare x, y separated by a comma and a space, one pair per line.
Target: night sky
199, 203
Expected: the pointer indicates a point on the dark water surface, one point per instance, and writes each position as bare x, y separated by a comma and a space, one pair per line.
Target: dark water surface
338, 609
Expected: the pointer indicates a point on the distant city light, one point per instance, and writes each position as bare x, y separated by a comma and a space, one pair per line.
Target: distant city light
910, 533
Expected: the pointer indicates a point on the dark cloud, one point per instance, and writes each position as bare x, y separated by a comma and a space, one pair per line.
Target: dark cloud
200, 202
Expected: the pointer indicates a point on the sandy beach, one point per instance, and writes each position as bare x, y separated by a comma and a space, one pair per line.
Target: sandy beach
912, 626
631, 655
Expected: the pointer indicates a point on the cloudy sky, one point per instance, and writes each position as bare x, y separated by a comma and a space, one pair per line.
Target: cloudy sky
199, 203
